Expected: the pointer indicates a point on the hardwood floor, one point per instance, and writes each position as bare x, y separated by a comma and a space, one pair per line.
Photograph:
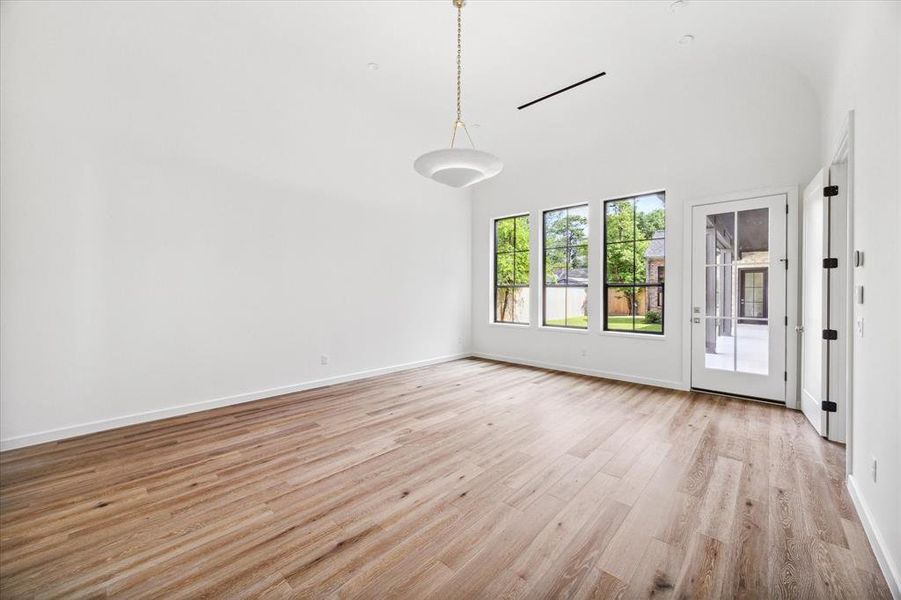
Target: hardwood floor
470, 479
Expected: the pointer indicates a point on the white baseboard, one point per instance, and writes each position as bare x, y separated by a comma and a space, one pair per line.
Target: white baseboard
664, 383
183, 409
877, 541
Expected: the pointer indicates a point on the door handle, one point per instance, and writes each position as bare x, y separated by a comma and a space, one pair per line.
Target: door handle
799, 329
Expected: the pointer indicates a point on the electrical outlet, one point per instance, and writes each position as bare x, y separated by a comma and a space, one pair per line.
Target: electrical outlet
323, 360
873, 469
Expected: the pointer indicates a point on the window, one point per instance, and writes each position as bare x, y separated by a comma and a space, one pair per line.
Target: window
566, 267
634, 263
511, 270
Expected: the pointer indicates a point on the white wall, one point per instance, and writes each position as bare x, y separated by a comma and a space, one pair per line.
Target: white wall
866, 79
183, 220
722, 130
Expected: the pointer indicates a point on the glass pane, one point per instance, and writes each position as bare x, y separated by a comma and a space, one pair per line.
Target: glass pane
578, 225
503, 232
555, 229
753, 343
504, 266
619, 308
648, 259
555, 266
577, 269
522, 233
503, 304
649, 217
719, 344
719, 292
521, 305
555, 306
752, 294
620, 262
720, 238
655, 302
521, 268
619, 221
577, 307
649, 309
753, 237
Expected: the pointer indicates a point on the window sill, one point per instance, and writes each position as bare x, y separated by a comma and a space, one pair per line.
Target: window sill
634, 335
564, 329
509, 325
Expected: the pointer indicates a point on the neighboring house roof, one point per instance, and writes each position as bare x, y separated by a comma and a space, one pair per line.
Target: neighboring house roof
655, 248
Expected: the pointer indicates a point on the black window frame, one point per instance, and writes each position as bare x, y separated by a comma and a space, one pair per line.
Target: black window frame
544, 249
608, 285
514, 252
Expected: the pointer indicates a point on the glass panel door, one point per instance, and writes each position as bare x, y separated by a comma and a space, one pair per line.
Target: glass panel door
732, 335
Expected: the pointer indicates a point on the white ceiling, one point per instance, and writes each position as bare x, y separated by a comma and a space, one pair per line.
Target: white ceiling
265, 73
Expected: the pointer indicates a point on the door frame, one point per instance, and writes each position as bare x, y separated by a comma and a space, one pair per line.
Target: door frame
844, 153
792, 284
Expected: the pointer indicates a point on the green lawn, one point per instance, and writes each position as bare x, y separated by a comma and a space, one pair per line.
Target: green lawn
625, 324
581, 321
613, 323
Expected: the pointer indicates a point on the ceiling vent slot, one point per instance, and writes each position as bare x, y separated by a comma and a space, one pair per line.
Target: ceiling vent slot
561, 90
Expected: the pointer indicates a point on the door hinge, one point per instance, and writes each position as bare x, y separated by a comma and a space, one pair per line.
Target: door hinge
785, 375
786, 320
830, 263
786, 209
830, 334
829, 406
830, 190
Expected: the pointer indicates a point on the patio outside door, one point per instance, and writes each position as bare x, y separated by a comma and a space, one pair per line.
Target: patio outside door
738, 297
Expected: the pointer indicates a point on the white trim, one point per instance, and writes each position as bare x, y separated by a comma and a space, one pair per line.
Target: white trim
889, 570
564, 329
634, 335
663, 383
844, 152
183, 409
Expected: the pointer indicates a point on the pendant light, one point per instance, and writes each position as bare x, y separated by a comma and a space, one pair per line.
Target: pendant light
458, 167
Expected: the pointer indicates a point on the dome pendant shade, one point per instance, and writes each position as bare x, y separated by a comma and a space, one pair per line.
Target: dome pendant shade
458, 167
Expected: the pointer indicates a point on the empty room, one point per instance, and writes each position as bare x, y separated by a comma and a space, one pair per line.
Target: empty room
450, 299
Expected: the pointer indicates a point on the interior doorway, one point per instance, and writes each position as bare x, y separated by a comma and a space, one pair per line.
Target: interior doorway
826, 336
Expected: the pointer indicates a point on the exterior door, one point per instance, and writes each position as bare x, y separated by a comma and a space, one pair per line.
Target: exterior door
738, 297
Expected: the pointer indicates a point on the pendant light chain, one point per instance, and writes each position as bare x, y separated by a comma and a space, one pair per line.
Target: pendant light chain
459, 58
459, 122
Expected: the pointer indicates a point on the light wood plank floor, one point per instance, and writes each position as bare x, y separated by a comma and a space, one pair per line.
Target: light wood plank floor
470, 479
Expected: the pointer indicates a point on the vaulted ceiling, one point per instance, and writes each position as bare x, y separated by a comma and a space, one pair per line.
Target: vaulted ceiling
275, 76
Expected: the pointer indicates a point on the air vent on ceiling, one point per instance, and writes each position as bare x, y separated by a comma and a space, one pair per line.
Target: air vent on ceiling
561, 90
